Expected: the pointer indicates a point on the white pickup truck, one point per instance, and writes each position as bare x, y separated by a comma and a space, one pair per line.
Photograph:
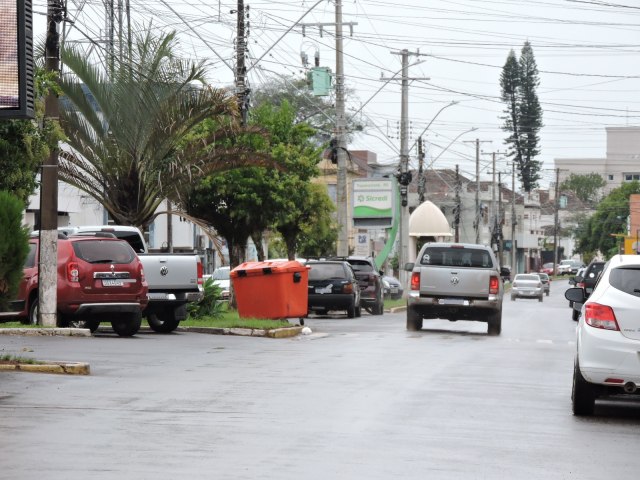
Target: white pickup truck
455, 282
174, 279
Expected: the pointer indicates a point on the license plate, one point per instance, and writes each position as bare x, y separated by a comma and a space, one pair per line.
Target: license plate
326, 289
453, 301
393, 290
112, 283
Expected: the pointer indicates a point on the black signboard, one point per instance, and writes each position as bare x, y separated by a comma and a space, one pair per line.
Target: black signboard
16, 59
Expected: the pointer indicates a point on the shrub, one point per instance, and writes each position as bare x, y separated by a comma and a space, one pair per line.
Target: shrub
211, 304
14, 247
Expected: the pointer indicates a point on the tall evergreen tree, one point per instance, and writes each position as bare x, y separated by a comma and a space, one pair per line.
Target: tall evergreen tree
523, 115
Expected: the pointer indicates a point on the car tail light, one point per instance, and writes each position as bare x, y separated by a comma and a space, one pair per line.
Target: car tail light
415, 281
200, 273
600, 316
494, 284
347, 288
73, 272
141, 272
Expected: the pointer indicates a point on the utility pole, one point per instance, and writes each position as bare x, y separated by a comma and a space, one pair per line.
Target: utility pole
514, 222
499, 221
456, 218
556, 223
476, 223
48, 240
404, 175
422, 181
242, 92
494, 209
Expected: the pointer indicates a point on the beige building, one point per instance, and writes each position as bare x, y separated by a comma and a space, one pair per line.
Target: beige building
621, 163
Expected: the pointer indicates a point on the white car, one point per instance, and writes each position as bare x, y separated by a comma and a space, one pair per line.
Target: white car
608, 335
527, 285
222, 279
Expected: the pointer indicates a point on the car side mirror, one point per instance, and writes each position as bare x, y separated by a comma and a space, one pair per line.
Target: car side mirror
408, 267
576, 295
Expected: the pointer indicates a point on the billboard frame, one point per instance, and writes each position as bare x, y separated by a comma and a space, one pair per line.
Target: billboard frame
26, 96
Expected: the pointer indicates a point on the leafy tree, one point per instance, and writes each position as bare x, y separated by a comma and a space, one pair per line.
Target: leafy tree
318, 228
523, 115
14, 247
127, 129
610, 219
24, 145
586, 187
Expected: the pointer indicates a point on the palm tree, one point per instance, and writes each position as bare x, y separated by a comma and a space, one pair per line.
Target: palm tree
127, 121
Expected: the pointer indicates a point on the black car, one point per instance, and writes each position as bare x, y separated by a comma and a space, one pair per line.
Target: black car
370, 281
587, 281
333, 286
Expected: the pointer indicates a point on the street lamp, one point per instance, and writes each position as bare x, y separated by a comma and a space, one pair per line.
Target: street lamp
451, 143
453, 102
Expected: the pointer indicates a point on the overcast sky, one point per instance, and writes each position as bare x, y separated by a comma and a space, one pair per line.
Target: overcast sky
587, 52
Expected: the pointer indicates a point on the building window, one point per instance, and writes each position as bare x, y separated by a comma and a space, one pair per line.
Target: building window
629, 177
610, 177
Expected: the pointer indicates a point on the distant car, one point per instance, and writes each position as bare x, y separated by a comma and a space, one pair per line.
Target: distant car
587, 281
333, 286
370, 281
547, 268
392, 287
527, 285
608, 335
546, 283
222, 279
99, 279
569, 267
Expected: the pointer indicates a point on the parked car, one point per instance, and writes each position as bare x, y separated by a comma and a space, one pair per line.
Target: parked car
608, 335
546, 283
370, 281
333, 286
175, 279
569, 267
455, 281
587, 281
100, 279
222, 279
527, 285
392, 287
547, 268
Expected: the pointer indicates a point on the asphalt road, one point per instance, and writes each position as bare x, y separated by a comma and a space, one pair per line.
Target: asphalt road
358, 399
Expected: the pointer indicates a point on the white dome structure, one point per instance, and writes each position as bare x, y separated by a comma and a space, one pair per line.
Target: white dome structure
427, 222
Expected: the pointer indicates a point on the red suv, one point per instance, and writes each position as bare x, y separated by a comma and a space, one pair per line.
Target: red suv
100, 279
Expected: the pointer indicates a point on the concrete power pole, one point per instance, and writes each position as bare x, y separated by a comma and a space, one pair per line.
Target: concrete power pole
242, 92
404, 175
514, 222
456, 217
556, 222
476, 222
48, 261
341, 143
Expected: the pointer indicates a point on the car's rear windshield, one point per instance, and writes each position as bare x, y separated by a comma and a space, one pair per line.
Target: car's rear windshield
456, 257
626, 279
361, 265
221, 274
321, 271
532, 278
104, 251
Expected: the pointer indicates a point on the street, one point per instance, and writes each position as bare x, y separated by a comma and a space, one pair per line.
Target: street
358, 399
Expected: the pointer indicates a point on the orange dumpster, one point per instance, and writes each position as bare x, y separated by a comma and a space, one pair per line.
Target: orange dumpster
271, 289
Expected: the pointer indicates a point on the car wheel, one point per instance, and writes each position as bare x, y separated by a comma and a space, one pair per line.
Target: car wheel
163, 322
358, 311
378, 308
575, 315
128, 324
351, 310
540, 298
547, 293
513, 298
494, 323
583, 395
32, 318
414, 320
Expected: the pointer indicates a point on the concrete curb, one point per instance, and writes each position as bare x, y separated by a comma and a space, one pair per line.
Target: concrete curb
47, 332
398, 309
69, 368
246, 332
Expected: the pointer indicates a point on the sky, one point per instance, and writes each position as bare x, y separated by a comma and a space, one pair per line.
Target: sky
587, 53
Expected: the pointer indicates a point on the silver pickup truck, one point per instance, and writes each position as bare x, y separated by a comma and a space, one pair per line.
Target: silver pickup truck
174, 279
455, 281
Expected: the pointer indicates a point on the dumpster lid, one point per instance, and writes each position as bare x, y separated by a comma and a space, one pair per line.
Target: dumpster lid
267, 267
